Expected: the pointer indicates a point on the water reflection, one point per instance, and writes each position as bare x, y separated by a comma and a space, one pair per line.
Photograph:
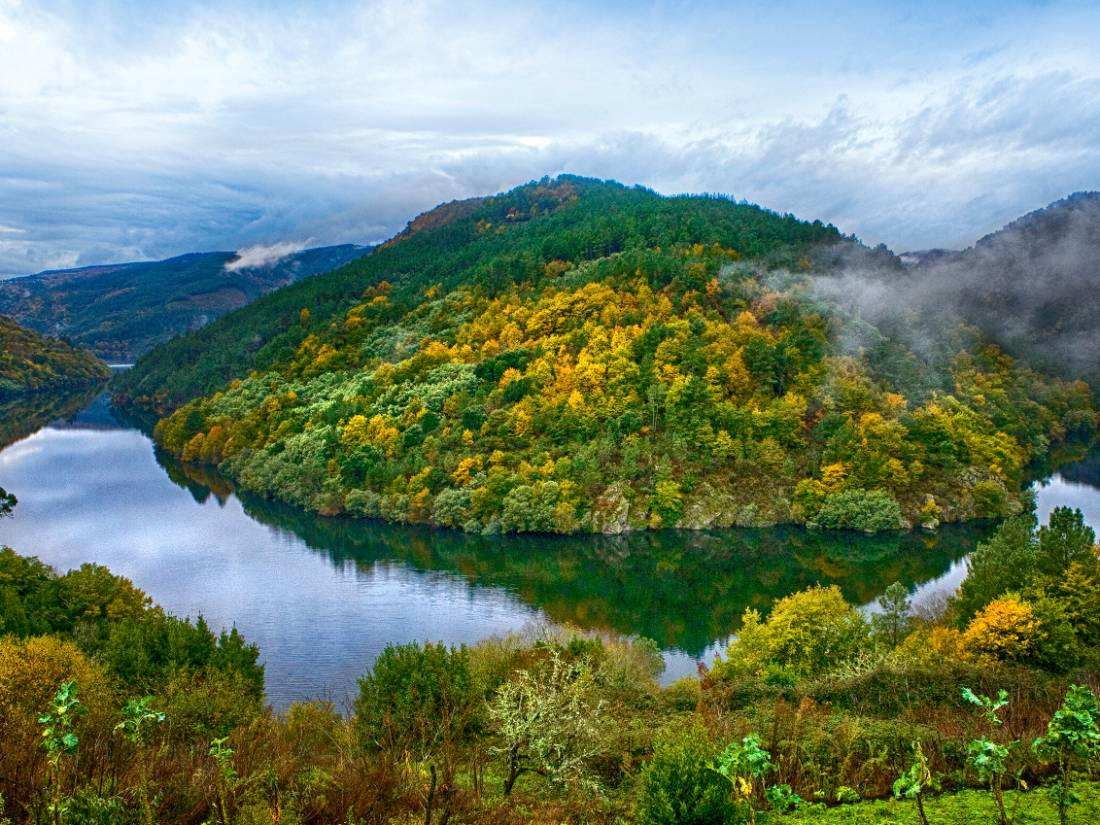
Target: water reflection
322, 596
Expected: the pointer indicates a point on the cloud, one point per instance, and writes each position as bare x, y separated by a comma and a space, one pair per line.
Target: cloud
137, 130
255, 257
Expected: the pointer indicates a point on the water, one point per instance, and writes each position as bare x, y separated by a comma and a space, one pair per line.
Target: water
323, 596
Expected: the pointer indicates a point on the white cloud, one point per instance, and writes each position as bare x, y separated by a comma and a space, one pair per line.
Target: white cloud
144, 129
254, 257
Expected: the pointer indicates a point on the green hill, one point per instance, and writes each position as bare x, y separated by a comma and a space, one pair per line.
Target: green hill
576, 355
30, 362
119, 311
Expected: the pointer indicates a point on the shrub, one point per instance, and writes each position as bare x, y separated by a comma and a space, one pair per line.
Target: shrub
417, 698
807, 633
30, 672
858, 509
1005, 630
678, 786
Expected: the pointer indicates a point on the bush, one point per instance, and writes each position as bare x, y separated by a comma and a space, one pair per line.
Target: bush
858, 509
807, 633
30, 672
678, 786
417, 698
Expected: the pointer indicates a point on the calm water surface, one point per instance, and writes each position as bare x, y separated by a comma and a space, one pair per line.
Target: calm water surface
323, 596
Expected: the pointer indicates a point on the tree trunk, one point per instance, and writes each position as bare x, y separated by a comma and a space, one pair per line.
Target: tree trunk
920, 809
431, 797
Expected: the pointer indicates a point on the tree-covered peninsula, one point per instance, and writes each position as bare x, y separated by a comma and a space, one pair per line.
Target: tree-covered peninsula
575, 355
30, 362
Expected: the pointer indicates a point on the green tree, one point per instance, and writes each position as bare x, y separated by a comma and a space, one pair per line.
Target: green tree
892, 624
420, 699
1007, 562
1065, 539
7, 502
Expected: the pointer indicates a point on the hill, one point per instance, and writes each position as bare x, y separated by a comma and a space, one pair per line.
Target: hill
30, 362
576, 355
119, 311
1033, 286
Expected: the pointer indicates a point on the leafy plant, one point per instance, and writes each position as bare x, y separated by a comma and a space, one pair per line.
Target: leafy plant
226, 778
1072, 739
138, 722
744, 765
989, 759
914, 782
60, 740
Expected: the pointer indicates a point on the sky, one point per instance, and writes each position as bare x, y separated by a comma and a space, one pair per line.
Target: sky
141, 129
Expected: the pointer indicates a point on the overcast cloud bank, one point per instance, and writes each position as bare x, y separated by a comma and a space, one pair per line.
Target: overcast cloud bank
131, 130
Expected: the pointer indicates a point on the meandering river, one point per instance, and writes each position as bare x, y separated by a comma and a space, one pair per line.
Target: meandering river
322, 596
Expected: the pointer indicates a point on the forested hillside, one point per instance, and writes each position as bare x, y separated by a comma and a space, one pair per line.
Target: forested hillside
30, 362
575, 355
119, 311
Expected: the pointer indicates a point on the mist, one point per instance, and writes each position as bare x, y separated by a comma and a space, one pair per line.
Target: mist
1033, 288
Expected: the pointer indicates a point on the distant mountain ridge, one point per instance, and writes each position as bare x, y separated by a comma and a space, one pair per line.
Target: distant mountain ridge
1033, 287
120, 311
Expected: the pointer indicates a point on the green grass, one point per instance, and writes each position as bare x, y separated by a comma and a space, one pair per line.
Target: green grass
964, 808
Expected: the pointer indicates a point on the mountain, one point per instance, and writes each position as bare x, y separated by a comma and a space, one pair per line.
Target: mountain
1033, 286
119, 311
30, 362
576, 355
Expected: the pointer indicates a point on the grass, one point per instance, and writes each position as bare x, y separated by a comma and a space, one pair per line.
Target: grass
970, 807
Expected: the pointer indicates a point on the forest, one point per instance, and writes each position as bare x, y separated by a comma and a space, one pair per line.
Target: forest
30, 362
578, 356
980, 708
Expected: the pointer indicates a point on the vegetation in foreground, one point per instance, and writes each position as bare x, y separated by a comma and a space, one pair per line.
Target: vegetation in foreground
30, 362
576, 356
114, 712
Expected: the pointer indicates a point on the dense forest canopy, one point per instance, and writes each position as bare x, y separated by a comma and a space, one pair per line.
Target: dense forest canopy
30, 361
576, 355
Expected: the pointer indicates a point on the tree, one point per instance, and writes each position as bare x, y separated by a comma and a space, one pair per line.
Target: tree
420, 699
1005, 630
1063, 540
859, 509
892, 624
1007, 562
807, 633
550, 722
7, 502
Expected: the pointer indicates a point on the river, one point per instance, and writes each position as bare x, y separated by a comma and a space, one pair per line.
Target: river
323, 596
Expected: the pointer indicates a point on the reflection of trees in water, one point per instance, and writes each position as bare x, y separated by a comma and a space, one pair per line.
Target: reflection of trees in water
683, 589
27, 414
1074, 461
1086, 471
